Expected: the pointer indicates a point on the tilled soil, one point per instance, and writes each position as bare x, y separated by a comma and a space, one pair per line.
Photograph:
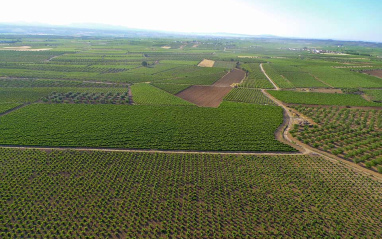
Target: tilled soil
212, 96
377, 73
205, 96
235, 76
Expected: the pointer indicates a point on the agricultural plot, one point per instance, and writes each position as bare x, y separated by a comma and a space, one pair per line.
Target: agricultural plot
152, 195
375, 95
233, 77
7, 106
303, 79
231, 127
204, 96
87, 98
225, 64
207, 79
276, 77
297, 76
33, 94
27, 56
171, 88
255, 77
254, 96
206, 63
315, 98
344, 78
353, 134
377, 73
146, 94
23, 95
49, 83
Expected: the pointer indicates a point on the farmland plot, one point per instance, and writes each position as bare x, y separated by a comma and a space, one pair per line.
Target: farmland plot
316, 98
353, 134
115, 194
254, 96
231, 127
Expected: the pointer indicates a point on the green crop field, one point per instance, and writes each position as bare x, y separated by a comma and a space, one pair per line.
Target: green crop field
353, 134
255, 78
344, 78
155, 195
315, 98
229, 127
376, 95
146, 94
171, 88
276, 77
7, 106
248, 96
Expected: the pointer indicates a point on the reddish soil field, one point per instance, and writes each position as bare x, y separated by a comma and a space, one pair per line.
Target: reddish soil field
377, 73
205, 96
235, 76
212, 96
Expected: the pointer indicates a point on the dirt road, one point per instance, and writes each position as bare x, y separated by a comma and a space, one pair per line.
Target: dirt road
273, 83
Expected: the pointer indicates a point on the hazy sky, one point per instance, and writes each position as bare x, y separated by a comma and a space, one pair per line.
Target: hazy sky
336, 19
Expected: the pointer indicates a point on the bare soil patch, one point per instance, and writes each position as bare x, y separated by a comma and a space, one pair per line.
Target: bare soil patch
166, 47
205, 96
233, 77
377, 73
206, 63
25, 48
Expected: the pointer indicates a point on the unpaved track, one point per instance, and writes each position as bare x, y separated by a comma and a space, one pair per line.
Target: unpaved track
273, 83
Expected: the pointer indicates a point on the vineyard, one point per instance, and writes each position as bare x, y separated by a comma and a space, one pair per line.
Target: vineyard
353, 134
132, 195
254, 96
7, 106
49, 83
146, 94
231, 127
297, 76
276, 77
255, 78
376, 95
87, 98
315, 98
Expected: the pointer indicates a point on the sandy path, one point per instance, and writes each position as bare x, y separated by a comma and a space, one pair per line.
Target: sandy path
273, 83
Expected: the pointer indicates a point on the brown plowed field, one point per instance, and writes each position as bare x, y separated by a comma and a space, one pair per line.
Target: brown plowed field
377, 73
235, 76
212, 96
205, 96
